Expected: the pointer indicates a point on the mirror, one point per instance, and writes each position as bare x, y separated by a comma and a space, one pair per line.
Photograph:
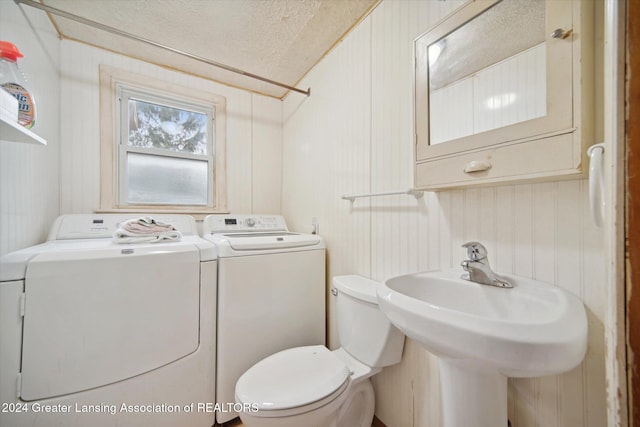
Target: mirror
487, 72
503, 92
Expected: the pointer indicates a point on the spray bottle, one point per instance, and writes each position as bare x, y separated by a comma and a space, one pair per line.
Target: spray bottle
12, 80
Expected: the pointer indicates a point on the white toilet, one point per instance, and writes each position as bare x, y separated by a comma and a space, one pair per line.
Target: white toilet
315, 387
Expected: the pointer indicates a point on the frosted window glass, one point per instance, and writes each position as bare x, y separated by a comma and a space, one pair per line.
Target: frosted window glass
165, 180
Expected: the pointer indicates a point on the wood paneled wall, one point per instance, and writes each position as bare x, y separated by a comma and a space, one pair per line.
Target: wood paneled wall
29, 174
632, 234
354, 135
254, 133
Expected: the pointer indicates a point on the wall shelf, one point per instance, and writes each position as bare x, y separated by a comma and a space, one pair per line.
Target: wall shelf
13, 132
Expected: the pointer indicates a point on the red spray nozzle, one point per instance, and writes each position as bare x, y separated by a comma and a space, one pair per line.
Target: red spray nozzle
10, 51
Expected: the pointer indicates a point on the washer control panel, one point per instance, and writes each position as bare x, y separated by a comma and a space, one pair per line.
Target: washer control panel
244, 223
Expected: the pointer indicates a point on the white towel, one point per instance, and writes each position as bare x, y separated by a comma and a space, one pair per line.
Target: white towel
145, 230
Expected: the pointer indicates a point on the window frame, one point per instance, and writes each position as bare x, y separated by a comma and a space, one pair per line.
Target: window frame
113, 139
126, 94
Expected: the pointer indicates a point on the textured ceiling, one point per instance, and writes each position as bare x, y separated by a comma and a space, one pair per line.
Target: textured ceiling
277, 39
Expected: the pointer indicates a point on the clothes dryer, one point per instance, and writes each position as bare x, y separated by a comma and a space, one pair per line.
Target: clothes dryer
95, 333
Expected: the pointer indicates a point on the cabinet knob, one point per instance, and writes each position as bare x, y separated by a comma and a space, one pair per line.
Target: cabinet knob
559, 33
477, 166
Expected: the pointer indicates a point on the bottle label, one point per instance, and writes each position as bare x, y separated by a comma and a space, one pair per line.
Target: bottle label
26, 106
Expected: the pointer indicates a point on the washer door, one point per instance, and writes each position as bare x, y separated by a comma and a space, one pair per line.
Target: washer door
100, 316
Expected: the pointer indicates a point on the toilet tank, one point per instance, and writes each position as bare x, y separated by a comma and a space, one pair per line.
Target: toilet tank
364, 331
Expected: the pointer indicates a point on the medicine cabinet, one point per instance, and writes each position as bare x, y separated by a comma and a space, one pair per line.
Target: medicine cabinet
504, 93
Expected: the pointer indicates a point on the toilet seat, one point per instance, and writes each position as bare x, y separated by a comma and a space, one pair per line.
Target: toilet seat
294, 381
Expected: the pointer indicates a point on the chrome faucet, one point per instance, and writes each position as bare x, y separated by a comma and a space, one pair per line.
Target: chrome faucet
477, 267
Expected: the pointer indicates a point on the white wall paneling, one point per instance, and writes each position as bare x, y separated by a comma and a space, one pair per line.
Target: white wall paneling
29, 185
253, 133
266, 155
354, 134
327, 153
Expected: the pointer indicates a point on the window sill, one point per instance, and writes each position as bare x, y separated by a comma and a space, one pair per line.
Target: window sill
198, 214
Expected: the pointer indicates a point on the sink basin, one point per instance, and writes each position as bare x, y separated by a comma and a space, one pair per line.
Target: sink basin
530, 330
484, 334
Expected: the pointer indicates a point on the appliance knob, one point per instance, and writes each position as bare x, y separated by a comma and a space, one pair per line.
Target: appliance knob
251, 222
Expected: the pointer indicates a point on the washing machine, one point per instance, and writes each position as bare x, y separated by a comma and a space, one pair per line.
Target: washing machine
271, 294
95, 333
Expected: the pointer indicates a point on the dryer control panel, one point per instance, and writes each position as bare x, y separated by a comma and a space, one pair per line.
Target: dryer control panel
243, 223
101, 226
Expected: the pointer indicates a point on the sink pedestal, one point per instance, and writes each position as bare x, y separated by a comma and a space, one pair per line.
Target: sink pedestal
482, 334
472, 395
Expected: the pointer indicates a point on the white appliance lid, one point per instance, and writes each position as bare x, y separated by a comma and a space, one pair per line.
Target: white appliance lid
292, 378
263, 241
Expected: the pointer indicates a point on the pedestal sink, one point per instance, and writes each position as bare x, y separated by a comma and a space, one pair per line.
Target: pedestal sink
485, 334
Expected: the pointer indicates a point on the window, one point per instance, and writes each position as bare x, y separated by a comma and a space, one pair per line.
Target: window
165, 152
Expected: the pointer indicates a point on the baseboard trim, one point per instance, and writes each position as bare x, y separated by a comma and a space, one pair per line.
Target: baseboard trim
377, 423
237, 423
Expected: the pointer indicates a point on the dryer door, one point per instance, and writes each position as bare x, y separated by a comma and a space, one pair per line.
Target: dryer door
101, 316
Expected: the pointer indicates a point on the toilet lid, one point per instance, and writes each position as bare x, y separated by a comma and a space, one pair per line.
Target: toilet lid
292, 378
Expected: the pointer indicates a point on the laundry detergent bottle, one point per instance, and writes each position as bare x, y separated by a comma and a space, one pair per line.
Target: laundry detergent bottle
13, 81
